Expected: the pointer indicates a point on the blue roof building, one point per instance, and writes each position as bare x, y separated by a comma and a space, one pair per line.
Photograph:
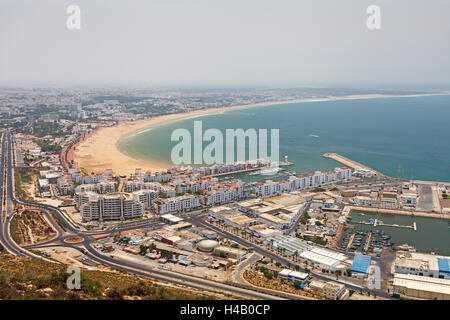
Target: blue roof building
444, 265
361, 263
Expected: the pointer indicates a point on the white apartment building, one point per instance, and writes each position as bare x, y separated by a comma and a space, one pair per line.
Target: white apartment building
146, 197
101, 187
222, 195
365, 201
270, 188
84, 197
135, 185
176, 204
112, 207
65, 185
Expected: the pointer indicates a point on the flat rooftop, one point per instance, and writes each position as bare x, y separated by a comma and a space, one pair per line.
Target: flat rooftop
422, 283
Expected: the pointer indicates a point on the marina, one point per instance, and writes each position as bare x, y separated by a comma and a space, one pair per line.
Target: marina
365, 241
393, 231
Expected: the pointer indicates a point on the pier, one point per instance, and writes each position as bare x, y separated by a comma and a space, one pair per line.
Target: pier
380, 223
350, 241
350, 163
348, 208
366, 246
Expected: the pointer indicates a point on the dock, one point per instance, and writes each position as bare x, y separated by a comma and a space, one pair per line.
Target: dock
380, 223
351, 163
350, 241
366, 246
348, 208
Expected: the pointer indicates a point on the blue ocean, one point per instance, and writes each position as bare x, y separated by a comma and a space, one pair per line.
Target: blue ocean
406, 136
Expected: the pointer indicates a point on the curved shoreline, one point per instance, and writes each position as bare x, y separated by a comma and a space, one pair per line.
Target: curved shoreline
101, 150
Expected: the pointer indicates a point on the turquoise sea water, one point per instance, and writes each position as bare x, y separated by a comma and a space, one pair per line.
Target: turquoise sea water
380, 133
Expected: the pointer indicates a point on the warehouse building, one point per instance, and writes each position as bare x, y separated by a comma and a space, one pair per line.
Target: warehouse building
324, 259
422, 287
360, 265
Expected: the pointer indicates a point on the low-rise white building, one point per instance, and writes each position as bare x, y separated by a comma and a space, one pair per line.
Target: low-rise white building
290, 275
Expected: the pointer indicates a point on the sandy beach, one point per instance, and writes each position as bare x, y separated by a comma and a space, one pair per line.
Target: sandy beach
100, 151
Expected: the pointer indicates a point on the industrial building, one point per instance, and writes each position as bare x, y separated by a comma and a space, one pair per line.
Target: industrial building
360, 265
421, 264
280, 212
232, 217
324, 259
422, 287
289, 245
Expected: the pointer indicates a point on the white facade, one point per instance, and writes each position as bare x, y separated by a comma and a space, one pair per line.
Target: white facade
176, 204
270, 188
111, 207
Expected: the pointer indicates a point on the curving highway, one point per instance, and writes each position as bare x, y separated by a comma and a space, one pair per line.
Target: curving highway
69, 229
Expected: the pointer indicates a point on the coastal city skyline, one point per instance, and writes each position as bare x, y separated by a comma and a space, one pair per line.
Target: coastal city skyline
225, 154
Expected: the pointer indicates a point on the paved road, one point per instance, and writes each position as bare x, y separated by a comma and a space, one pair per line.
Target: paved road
199, 220
70, 229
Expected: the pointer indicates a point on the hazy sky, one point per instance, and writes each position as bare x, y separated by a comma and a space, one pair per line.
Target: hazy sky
227, 42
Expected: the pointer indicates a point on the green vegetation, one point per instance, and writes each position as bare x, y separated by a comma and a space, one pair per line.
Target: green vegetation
304, 218
268, 274
319, 189
316, 240
163, 253
42, 129
35, 279
47, 146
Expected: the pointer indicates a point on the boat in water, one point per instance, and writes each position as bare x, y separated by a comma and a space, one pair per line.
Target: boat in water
268, 171
405, 247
